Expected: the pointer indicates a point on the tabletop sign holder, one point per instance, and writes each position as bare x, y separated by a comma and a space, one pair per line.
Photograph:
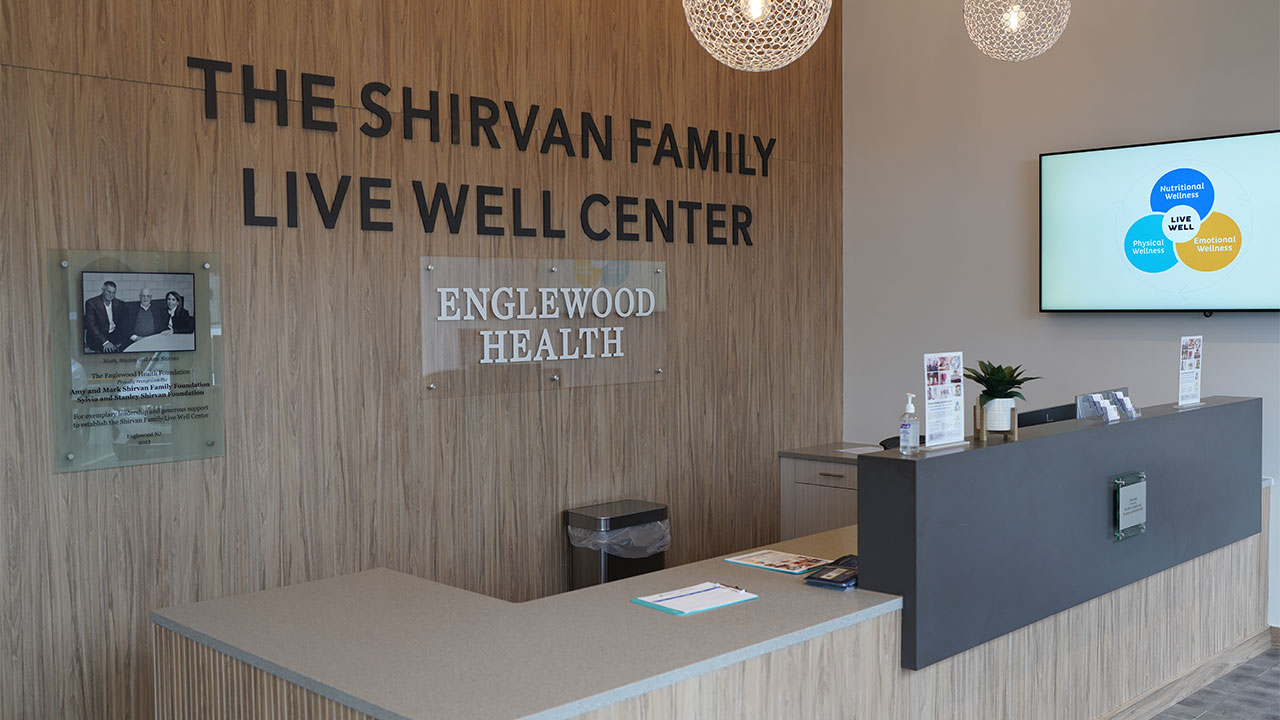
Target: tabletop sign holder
980, 428
1130, 505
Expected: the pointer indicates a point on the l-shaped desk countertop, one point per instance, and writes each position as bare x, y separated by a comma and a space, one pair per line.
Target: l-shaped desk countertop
393, 645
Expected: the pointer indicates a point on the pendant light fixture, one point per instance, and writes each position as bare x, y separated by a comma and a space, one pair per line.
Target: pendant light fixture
756, 35
1015, 30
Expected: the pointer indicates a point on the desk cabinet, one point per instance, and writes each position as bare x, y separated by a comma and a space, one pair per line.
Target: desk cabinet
817, 496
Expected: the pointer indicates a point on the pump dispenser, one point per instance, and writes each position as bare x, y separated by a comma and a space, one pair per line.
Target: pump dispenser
909, 428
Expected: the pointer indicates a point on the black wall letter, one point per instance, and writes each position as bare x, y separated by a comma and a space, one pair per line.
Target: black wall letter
368, 203
593, 199
378, 111
253, 94
251, 216
311, 101
211, 69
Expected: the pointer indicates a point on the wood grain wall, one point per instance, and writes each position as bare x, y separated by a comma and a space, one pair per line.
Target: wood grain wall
337, 460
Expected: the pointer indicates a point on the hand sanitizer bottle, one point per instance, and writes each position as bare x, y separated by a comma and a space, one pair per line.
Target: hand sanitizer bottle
909, 428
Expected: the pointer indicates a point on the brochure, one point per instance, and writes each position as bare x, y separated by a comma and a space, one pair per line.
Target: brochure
695, 598
778, 561
1189, 370
943, 399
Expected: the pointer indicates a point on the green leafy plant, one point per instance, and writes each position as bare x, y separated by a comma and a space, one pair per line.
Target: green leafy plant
998, 381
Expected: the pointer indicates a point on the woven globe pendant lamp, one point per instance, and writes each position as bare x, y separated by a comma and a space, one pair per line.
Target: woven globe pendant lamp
1015, 30
756, 35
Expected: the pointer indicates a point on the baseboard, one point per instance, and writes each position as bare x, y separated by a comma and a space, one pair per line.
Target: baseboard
1158, 699
1275, 637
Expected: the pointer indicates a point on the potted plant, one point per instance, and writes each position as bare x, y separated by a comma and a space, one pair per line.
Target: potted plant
1000, 385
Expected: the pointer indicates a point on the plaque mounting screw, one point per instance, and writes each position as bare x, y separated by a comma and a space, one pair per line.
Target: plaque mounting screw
210, 443
555, 378
207, 266
658, 271
432, 386
555, 269
71, 456
430, 268
658, 371
64, 263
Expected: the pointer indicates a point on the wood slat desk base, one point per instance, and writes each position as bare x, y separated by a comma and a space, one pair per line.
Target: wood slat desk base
196, 681
1085, 662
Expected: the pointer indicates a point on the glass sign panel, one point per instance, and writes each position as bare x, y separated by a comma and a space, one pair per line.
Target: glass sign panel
136, 358
523, 325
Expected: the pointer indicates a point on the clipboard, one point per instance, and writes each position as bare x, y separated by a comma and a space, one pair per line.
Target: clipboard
695, 598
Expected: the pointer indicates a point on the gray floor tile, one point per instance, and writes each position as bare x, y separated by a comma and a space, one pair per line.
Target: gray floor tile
1232, 682
1179, 712
1256, 666
1247, 708
1202, 700
1250, 691
1269, 680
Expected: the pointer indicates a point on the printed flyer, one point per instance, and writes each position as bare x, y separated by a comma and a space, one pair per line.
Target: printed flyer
1189, 370
944, 398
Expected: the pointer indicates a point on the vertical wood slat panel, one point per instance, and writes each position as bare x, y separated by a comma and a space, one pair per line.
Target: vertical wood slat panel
195, 681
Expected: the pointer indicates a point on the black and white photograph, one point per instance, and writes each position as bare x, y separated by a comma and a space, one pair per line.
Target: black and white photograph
127, 312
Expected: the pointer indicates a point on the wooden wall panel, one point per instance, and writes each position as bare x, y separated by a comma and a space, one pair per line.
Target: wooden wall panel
338, 458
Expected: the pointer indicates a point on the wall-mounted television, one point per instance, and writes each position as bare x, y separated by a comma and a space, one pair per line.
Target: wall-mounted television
1171, 226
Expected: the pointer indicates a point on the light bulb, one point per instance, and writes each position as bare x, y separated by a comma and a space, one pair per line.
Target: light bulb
1014, 12
756, 10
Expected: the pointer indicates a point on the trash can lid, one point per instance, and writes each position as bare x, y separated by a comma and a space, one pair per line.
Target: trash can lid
616, 514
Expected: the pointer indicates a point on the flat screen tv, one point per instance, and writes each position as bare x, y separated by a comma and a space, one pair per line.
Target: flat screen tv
1172, 226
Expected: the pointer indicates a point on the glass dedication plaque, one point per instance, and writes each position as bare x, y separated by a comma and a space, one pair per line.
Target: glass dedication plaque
136, 353
1130, 505
511, 325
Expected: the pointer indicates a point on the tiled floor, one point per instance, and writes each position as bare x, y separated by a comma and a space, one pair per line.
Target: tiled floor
1249, 692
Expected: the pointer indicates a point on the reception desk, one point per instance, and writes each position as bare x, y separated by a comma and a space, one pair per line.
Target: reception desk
387, 645
390, 645
984, 539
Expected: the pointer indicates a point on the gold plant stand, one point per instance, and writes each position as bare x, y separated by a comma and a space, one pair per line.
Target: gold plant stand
980, 426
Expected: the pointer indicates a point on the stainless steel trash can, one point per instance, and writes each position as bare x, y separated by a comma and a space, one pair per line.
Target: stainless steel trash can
605, 539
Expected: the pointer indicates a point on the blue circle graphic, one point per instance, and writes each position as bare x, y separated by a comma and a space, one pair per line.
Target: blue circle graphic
1183, 186
1146, 246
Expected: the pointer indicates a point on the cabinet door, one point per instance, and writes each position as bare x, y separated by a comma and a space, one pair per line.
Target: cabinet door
819, 508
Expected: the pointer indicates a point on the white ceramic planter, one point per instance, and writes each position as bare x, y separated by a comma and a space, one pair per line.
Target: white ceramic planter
997, 413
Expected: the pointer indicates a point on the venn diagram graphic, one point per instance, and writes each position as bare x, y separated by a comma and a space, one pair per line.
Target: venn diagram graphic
1182, 227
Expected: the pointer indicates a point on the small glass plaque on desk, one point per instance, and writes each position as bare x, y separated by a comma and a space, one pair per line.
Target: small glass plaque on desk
1130, 505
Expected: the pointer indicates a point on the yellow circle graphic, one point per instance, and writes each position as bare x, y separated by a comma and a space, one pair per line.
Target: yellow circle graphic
1214, 247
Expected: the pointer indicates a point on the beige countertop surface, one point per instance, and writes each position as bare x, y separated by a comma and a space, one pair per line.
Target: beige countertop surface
396, 646
829, 452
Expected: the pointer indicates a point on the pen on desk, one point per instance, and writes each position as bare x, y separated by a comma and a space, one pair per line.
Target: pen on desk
732, 587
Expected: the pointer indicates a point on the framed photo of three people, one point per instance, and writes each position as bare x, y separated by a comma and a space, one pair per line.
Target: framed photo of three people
126, 312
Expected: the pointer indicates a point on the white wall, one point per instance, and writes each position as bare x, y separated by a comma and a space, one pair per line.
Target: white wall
941, 197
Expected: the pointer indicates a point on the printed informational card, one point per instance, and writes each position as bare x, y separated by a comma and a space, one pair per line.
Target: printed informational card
943, 398
778, 561
1189, 370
